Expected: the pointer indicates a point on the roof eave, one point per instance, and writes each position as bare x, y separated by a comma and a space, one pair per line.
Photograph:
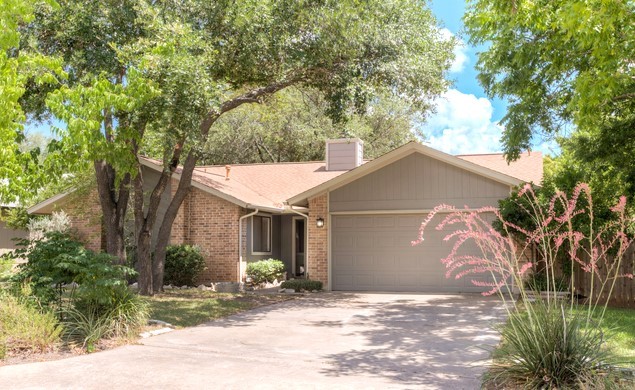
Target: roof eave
212, 191
40, 208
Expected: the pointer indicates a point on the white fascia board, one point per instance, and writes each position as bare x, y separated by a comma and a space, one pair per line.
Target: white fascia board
37, 208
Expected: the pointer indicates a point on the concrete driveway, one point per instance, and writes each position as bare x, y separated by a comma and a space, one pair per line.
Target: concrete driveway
329, 340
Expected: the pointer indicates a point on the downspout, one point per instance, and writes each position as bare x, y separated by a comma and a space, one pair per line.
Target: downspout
306, 256
240, 243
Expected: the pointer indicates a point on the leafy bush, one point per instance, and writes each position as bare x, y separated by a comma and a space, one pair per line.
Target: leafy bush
265, 270
57, 259
39, 227
302, 284
538, 281
183, 264
547, 347
24, 328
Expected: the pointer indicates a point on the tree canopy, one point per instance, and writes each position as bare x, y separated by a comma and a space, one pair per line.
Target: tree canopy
18, 173
559, 63
292, 126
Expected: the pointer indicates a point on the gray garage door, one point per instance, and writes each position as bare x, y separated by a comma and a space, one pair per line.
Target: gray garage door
373, 253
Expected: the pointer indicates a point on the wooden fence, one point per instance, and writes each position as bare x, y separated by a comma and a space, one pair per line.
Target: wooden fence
623, 294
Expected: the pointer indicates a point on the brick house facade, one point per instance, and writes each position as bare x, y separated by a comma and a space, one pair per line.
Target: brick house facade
243, 213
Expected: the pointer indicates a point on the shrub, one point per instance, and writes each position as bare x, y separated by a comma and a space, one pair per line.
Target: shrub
265, 270
302, 284
40, 227
24, 328
548, 347
57, 259
183, 264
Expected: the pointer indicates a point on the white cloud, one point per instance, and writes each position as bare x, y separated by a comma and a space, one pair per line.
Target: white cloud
463, 124
460, 52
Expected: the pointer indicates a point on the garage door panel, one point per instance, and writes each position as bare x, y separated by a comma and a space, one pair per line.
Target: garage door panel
343, 242
374, 253
364, 242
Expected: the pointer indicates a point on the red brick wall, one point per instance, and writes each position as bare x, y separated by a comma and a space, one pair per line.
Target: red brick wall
85, 214
213, 226
318, 240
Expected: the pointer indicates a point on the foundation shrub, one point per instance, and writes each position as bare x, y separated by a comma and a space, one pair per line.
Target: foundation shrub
302, 284
183, 264
264, 271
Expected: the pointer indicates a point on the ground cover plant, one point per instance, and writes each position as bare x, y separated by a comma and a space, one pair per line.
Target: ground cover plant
547, 342
24, 328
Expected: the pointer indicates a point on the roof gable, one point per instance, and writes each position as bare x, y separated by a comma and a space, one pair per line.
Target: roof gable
399, 153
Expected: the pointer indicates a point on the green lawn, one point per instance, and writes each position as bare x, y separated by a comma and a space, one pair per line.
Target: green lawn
619, 325
193, 307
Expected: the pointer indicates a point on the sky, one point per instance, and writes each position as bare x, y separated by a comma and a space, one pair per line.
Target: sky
466, 120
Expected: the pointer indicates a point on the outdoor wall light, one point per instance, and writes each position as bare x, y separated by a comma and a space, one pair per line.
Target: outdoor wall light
319, 222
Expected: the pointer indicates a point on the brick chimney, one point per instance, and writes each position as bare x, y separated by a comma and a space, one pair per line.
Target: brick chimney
344, 154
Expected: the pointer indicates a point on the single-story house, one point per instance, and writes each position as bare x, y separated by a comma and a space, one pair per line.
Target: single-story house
7, 234
346, 222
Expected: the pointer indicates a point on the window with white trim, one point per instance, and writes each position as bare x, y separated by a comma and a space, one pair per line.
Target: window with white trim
261, 234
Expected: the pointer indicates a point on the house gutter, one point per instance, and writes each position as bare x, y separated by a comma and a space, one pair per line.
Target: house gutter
306, 216
240, 242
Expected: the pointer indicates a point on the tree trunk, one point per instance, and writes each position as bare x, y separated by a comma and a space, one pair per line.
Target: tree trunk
185, 183
168, 219
144, 263
113, 205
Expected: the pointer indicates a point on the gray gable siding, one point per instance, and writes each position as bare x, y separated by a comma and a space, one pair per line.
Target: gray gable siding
417, 182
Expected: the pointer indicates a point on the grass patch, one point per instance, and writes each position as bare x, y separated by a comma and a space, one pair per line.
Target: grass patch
192, 307
619, 326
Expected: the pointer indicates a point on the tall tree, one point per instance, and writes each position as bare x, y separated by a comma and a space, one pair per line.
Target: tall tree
18, 176
559, 63
175, 68
292, 126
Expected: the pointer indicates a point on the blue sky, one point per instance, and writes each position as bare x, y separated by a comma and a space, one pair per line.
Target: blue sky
466, 120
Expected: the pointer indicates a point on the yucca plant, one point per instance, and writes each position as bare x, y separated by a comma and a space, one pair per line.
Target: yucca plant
549, 347
551, 344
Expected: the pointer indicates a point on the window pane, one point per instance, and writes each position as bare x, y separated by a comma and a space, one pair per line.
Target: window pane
261, 234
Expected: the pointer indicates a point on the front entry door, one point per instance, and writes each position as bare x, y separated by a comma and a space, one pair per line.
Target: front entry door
299, 244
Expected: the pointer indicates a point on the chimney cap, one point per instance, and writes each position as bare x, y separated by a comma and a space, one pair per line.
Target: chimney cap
344, 140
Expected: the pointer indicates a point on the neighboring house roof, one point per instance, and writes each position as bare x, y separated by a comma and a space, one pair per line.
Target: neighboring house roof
527, 168
268, 186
